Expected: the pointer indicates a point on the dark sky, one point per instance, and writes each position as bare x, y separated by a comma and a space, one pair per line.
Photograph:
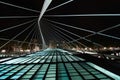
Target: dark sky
75, 7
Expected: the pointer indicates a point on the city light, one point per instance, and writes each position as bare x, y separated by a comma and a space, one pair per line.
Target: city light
3, 51
27, 50
21, 50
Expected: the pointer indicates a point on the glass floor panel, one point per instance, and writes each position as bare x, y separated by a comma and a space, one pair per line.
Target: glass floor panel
52, 64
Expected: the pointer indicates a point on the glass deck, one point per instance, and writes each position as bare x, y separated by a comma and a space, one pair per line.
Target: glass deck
53, 65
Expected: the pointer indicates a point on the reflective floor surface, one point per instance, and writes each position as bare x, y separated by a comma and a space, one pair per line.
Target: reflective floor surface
53, 65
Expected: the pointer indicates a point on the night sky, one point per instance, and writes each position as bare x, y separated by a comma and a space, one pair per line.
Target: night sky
92, 23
